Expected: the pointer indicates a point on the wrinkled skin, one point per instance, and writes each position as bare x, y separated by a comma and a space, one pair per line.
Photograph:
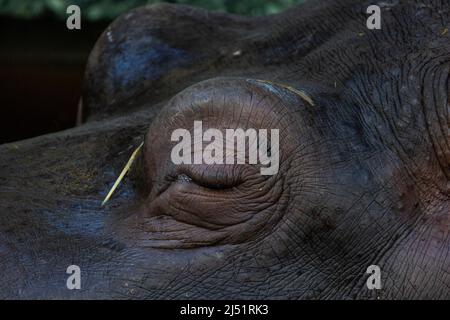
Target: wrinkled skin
363, 179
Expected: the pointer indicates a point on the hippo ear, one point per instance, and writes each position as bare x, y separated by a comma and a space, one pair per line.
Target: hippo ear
146, 54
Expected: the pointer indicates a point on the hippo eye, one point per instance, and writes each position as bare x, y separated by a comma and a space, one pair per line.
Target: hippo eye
214, 185
183, 178
211, 178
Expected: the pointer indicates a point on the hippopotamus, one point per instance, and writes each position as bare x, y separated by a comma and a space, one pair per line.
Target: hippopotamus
362, 181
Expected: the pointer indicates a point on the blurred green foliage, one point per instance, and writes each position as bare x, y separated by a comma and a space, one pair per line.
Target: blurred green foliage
110, 9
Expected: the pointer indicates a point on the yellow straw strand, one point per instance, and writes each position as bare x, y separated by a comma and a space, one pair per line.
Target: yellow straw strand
300, 93
123, 173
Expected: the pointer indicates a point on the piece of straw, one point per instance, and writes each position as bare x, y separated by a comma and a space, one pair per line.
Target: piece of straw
300, 93
123, 173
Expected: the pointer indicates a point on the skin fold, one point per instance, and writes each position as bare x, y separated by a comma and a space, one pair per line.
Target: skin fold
364, 165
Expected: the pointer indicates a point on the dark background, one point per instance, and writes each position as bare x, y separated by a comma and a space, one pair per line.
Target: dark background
42, 62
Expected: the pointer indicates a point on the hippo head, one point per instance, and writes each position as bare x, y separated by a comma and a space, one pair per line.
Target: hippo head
360, 159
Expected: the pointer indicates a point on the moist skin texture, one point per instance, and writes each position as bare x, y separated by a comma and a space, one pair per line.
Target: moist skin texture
363, 176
